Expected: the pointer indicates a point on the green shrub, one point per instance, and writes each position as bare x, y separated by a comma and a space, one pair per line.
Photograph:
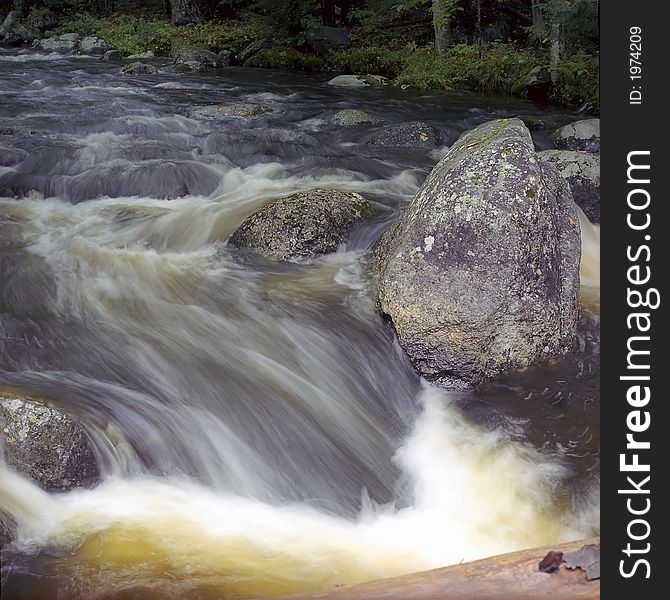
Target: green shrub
282, 57
132, 35
423, 70
277, 57
363, 61
579, 81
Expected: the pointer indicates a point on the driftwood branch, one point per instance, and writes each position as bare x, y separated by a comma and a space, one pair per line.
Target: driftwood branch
516, 575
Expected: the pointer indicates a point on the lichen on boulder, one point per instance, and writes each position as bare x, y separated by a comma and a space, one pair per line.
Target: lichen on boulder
302, 225
582, 172
45, 443
480, 274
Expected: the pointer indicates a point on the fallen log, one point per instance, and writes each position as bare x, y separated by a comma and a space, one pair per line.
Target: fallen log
568, 571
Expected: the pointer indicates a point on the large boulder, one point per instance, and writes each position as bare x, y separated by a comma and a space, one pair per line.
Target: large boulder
45, 443
220, 112
582, 172
94, 45
66, 43
138, 68
11, 20
196, 59
358, 81
350, 117
580, 135
302, 225
321, 40
480, 274
413, 134
14, 32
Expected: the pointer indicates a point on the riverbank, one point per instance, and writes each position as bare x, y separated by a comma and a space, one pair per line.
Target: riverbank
406, 60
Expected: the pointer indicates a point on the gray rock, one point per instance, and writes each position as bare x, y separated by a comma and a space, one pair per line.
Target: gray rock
580, 135
45, 443
413, 134
227, 58
111, 55
11, 20
321, 40
302, 225
358, 81
350, 117
480, 275
205, 59
66, 43
138, 68
538, 85
218, 112
141, 56
266, 41
582, 172
43, 20
189, 66
94, 45
20, 34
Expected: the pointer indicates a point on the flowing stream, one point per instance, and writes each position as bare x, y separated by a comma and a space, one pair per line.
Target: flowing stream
259, 430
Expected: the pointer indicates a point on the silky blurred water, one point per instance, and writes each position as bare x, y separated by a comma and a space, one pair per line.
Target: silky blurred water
258, 428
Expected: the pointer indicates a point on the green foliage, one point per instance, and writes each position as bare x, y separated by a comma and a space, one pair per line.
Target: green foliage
132, 35
281, 57
578, 21
363, 61
492, 69
423, 70
579, 83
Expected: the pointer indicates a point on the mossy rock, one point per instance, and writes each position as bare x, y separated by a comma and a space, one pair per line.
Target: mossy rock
302, 225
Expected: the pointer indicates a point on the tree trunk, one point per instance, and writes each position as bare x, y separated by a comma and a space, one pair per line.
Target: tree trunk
185, 12
536, 12
442, 27
344, 12
328, 9
555, 51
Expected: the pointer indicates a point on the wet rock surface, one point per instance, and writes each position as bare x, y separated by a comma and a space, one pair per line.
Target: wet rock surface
302, 225
480, 275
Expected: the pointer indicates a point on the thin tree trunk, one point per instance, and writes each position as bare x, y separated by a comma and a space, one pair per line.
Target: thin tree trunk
344, 12
536, 12
442, 27
555, 51
186, 11
328, 9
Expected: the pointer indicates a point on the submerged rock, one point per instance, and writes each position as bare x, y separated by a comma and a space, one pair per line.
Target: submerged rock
358, 81
582, 172
45, 443
142, 56
138, 68
94, 45
302, 225
111, 55
226, 111
196, 59
580, 135
413, 134
350, 117
480, 275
